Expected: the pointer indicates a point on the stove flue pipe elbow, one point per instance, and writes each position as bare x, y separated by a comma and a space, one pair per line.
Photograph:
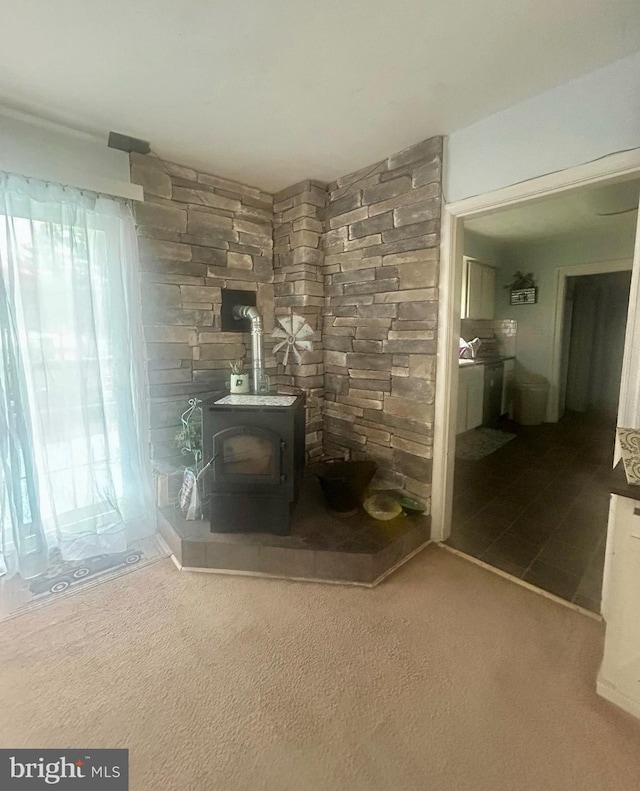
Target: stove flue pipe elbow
257, 342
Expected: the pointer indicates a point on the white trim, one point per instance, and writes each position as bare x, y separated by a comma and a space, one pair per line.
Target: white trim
562, 273
615, 166
621, 166
523, 583
89, 181
41, 149
52, 126
444, 428
613, 695
608, 555
628, 413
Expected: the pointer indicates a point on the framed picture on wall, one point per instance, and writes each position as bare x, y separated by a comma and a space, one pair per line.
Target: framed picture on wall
524, 296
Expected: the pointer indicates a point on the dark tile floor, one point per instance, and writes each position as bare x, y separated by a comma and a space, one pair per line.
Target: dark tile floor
538, 507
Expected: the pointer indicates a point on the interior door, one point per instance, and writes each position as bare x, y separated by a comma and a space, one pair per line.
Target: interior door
567, 322
620, 670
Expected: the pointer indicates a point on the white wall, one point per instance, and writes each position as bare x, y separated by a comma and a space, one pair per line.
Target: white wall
481, 248
536, 322
574, 123
30, 147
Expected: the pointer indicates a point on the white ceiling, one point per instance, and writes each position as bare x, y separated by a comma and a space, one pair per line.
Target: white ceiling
270, 92
597, 209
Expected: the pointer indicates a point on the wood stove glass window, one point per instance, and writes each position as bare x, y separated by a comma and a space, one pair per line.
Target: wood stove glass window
247, 454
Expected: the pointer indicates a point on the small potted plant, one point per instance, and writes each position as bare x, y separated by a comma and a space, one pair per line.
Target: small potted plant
521, 281
523, 289
239, 379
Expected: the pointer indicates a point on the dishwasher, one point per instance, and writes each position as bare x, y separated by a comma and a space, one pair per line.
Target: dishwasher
492, 403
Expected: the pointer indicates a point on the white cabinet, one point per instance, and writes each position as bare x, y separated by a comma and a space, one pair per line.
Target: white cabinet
620, 669
478, 290
470, 397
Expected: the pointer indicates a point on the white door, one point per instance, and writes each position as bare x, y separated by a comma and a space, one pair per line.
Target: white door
619, 677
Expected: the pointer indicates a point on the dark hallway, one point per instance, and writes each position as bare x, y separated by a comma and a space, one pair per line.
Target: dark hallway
595, 319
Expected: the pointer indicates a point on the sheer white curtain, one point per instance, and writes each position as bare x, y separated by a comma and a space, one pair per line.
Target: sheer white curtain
74, 467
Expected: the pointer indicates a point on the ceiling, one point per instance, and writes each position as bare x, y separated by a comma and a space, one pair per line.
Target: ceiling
270, 92
595, 209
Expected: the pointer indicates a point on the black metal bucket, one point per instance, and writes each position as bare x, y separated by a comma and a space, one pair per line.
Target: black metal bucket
344, 484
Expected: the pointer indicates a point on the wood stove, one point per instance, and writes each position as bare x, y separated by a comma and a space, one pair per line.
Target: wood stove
254, 446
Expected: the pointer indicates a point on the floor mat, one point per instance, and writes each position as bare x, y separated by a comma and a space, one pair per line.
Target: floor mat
481, 442
64, 578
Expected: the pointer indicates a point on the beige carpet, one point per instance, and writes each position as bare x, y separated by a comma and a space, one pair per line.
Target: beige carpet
444, 677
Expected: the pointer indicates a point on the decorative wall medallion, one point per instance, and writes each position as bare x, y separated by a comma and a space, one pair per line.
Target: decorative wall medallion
629, 439
294, 334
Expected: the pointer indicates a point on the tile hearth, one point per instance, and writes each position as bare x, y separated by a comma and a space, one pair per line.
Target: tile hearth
322, 547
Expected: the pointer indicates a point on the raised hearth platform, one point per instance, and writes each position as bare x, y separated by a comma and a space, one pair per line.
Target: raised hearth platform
322, 547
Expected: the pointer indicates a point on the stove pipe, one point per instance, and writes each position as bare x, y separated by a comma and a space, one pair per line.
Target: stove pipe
257, 345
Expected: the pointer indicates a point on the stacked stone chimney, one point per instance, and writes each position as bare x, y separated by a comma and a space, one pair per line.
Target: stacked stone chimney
298, 267
381, 250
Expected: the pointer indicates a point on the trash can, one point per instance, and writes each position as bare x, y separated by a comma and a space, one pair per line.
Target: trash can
530, 393
344, 483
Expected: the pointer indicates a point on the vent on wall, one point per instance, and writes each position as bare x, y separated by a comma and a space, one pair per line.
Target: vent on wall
230, 298
128, 144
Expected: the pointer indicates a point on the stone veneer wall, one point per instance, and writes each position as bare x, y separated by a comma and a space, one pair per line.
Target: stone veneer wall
381, 249
197, 234
358, 259
299, 214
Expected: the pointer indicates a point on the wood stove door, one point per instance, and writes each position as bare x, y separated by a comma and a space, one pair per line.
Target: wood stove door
247, 458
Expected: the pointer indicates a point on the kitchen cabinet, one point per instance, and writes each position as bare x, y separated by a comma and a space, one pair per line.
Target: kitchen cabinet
620, 669
507, 387
470, 397
493, 391
478, 290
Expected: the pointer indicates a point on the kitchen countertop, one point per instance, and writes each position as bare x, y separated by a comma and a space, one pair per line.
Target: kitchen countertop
618, 484
463, 363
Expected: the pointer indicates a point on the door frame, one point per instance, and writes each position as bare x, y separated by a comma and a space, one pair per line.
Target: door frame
562, 273
616, 167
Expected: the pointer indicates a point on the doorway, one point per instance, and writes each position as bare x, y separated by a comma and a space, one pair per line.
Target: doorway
595, 311
540, 497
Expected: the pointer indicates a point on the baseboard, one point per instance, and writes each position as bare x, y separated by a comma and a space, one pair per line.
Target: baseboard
401, 562
619, 699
